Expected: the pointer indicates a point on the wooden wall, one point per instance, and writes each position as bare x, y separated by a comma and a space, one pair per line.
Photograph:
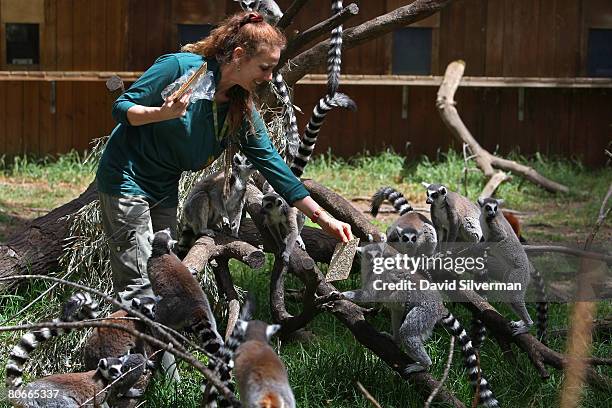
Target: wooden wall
495, 37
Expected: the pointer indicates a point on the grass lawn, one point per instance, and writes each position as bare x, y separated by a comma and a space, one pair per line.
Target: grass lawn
324, 368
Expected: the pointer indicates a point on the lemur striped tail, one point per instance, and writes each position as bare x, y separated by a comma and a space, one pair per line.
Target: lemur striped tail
334, 55
292, 134
479, 330
471, 361
311, 133
541, 305
226, 352
219, 361
79, 307
396, 199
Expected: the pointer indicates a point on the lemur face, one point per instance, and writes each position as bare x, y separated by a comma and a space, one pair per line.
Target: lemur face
110, 368
489, 206
249, 5
435, 193
163, 239
271, 202
409, 236
145, 305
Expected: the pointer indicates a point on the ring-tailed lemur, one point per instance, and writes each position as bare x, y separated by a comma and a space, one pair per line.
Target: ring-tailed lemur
110, 342
284, 222
325, 104
538, 282
70, 390
182, 302
206, 208
507, 260
414, 313
260, 374
268, 9
455, 217
412, 229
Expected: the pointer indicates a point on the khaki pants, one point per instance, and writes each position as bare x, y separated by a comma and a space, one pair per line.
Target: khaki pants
129, 223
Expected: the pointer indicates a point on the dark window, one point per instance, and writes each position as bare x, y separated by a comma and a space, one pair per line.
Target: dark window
22, 44
599, 55
190, 33
412, 51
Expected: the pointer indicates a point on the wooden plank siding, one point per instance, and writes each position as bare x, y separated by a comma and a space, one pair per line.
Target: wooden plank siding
497, 38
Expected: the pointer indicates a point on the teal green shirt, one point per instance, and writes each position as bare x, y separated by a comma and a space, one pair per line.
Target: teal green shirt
148, 160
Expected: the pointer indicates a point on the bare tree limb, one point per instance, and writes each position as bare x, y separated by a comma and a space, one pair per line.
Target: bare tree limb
207, 248
494, 182
367, 395
299, 66
290, 13
486, 161
315, 31
537, 249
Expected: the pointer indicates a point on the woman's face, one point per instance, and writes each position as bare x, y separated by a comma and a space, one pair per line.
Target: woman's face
257, 69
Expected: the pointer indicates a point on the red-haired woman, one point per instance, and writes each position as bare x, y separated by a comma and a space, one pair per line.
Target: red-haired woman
156, 140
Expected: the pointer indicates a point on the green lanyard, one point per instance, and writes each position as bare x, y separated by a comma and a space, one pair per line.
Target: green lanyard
219, 135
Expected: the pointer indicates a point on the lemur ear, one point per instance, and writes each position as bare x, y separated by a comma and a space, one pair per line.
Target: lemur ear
500, 202
272, 329
103, 364
481, 201
242, 324
135, 303
426, 185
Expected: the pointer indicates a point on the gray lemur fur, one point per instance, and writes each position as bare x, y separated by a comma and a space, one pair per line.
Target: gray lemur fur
455, 217
414, 313
412, 229
507, 260
206, 208
268, 9
284, 222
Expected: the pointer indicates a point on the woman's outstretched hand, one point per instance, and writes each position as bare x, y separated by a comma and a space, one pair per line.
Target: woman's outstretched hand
334, 227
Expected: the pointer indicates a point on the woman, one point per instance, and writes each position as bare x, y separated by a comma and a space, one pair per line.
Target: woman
157, 139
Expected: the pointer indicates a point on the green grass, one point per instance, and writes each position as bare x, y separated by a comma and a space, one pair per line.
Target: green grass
323, 371
30, 188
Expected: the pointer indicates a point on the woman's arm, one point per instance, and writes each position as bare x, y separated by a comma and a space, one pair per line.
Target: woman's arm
141, 115
328, 223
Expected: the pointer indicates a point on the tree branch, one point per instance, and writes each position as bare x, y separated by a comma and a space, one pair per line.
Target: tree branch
486, 161
315, 31
352, 37
290, 13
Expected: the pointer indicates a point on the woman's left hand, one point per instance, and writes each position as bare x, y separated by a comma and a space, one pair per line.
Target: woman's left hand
332, 226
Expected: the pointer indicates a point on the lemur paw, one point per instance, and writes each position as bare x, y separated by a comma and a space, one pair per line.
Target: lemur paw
518, 327
300, 242
413, 368
133, 393
208, 232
